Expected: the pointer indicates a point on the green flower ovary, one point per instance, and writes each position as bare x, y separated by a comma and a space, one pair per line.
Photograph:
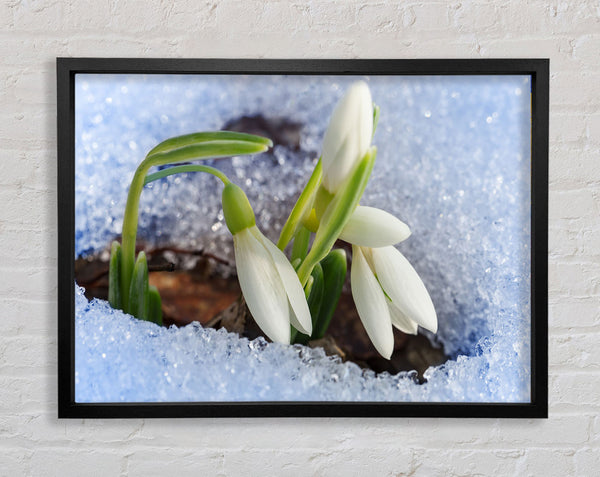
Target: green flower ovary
237, 209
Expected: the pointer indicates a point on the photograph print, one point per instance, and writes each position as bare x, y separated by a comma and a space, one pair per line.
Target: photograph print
302, 238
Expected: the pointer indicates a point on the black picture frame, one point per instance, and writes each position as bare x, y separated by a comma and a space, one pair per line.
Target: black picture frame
538, 69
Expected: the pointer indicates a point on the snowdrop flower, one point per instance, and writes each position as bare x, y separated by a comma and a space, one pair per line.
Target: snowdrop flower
348, 135
371, 227
388, 292
268, 281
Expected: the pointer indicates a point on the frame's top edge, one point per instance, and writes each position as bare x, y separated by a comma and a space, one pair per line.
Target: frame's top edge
456, 66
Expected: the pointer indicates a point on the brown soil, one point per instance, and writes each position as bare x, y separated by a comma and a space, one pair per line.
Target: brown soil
200, 294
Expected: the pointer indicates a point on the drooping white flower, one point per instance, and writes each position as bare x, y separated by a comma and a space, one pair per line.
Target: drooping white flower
270, 286
268, 281
371, 227
388, 292
348, 135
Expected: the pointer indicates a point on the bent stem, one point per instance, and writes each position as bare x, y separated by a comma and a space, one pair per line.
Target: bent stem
195, 146
186, 168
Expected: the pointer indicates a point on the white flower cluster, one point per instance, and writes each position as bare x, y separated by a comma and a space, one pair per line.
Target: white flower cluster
387, 290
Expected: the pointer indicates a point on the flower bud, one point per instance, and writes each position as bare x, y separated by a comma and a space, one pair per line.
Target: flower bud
348, 135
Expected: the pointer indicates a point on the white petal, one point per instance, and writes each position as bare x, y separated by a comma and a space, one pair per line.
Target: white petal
403, 285
371, 227
348, 135
300, 317
371, 304
401, 321
262, 287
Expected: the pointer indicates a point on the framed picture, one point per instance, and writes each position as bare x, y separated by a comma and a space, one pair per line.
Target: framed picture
302, 237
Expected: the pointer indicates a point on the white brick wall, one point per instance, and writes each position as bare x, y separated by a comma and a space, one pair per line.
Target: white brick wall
34, 442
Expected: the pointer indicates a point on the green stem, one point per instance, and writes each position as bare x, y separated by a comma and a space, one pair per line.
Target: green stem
337, 214
130, 220
302, 206
186, 168
174, 150
301, 242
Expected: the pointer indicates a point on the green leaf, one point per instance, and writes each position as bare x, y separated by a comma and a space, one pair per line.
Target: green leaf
139, 298
308, 286
376, 112
296, 263
316, 293
315, 300
334, 275
293, 334
155, 306
114, 276
301, 207
337, 214
179, 142
300, 246
212, 149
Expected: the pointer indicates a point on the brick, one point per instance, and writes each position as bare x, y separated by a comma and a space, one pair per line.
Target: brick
575, 351
121, 47
515, 19
584, 95
15, 462
98, 432
90, 16
28, 355
34, 169
576, 279
574, 313
149, 16
596, 431
333, 16
432, 16
593, 128
469, 17
45, 15
262, 17
27, 246
381, 17
35, 87
22, 207
567, 128
319, 461
40, 316
587, 461
22, 395
66, 462
575, 390
591, 241
557, 48
25, 125
548, 462
188, 462
515, 434
466, 462
573, 204
563, 240
585, 50
574, 166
